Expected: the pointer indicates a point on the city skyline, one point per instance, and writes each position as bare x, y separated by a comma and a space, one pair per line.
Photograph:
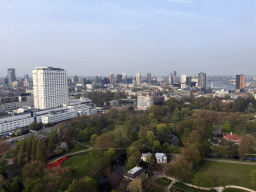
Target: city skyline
137, 36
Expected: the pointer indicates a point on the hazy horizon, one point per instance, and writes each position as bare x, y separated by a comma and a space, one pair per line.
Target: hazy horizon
102, 37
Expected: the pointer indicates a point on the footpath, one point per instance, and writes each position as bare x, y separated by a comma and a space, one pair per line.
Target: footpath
218, 189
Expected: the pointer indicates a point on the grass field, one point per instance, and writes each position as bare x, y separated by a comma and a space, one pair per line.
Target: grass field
227, 173
88, 163
10, 154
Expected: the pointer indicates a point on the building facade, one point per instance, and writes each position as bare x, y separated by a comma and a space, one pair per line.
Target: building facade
111, 79
138, 79
119, 78
124, 78
50, 87
239, 81
183, 79
202, 80
10, 76
144, 102
149, 78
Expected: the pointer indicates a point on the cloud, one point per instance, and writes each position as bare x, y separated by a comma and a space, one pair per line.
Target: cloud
180, 1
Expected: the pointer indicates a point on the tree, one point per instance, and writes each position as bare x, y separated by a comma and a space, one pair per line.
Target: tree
150, 137
143, 135
220, 150
202, 180
227, 127
16, 185
185, 135
29, 149
247, 142
191, 154
157, 145
93, 139
3, 184
51, 144
41, 154
180, 168
3, 146
110, 155
132, 162
90, 184
105, 142
137, 184
64, 146
32, 170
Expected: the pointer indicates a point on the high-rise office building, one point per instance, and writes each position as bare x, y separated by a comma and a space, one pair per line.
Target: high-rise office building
239, 81
188, 81
183, 79
98, 79
149, 78
170, 79
11, 76
119, 78
134, 81
111, 79
124, 78
174, 77
202, 80
50, 87
138, 79
75, 79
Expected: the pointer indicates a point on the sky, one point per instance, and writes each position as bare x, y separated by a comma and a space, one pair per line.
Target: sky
103, 37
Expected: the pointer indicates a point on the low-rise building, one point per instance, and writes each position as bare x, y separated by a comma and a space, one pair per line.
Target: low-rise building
134, 173
161, 158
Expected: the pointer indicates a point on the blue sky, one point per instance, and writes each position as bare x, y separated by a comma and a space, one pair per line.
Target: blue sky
100, 37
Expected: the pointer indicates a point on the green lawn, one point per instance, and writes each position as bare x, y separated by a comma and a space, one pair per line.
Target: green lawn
227, 173
163, 181
10, 154
90, 163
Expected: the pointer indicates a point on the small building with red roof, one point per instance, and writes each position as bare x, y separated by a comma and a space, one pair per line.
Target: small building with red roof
233, 138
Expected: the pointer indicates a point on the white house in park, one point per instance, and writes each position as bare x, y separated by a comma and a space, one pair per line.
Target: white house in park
161, 158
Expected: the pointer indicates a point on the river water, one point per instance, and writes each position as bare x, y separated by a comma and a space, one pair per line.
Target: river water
220, 85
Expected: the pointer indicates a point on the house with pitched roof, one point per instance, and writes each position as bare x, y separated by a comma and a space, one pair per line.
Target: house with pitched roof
161, 158
233, 138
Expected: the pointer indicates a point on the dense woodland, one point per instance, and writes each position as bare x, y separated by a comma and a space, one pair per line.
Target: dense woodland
190, 120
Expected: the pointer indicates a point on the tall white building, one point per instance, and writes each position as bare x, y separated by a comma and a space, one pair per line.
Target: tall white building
138, 79
183, 79
50, 87
124, 78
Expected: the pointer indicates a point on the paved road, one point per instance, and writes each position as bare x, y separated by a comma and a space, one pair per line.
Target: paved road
32, 134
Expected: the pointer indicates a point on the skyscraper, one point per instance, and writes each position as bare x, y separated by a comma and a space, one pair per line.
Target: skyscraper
149, 77
170, 79
111, 78
119, 78
11, 76
50, 87
98, 79
124, 78
183, 79
75, 79
174, 77
239, 81
138, 79
202, 80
